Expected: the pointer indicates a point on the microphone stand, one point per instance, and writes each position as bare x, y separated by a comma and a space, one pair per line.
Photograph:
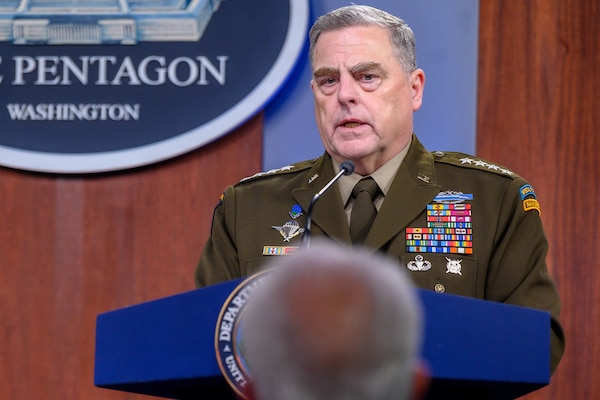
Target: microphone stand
346, 168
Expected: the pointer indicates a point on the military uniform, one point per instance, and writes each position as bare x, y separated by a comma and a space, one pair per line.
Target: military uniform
457, 223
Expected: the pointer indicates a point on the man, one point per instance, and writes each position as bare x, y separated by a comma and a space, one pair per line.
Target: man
459, 224
334, 323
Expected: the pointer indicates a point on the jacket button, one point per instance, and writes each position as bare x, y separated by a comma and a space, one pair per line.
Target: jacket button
439, 154
439, 288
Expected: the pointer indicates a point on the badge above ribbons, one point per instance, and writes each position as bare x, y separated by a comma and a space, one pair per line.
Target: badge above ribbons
449, 226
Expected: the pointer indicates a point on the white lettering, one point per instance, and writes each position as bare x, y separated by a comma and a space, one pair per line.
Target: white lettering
80, 72
205, 64
126, 70
225, 331
74, 112
234, 370
160, 71
102, 67
110, 71
23, 65
47, 66
192, 74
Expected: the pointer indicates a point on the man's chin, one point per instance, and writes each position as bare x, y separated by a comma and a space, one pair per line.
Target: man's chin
354, 153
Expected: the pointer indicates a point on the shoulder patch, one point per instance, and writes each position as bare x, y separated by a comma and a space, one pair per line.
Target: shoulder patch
529, 199
465, 160
296, 167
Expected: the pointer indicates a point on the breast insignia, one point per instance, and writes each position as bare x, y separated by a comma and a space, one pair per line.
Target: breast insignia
453, 266
419, 264
289, 230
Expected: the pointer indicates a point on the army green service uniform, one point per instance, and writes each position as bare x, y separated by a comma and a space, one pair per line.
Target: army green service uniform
457, 223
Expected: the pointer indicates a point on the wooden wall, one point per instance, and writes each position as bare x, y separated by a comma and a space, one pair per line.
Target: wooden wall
72, 247
539, 114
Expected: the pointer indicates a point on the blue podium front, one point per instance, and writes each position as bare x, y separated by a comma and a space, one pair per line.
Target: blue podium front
166, 347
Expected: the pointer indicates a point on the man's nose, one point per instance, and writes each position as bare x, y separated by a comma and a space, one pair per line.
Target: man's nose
348, 90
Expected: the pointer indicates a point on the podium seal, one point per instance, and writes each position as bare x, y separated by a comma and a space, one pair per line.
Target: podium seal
229, 346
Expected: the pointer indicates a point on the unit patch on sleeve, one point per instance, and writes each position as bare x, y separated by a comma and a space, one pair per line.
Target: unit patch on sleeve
529, 199
449, 226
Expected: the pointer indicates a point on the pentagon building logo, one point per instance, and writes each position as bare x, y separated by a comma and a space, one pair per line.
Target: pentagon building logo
91, 86
103, 21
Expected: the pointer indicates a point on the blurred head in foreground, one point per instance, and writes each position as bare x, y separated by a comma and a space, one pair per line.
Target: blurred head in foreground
333, 323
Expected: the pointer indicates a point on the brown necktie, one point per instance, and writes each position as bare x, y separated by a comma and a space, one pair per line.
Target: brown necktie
363, 209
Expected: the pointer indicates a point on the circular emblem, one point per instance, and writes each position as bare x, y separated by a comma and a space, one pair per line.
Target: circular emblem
229, 344
113, 85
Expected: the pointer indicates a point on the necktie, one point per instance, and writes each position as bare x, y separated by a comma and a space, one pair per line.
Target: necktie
363, 209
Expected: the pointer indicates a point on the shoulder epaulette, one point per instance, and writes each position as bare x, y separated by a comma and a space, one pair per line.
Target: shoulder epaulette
292, 168
468, 161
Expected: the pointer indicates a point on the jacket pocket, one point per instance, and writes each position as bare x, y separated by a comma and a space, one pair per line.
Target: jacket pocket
443, 273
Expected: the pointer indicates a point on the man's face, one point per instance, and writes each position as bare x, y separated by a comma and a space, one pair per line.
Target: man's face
364, 101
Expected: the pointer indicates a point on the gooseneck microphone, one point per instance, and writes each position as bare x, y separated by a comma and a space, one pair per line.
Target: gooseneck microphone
346, 168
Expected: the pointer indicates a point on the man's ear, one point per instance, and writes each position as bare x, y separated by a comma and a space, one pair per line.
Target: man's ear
417, 84
421, 380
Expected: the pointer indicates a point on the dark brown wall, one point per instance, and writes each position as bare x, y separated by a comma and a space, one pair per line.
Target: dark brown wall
74, 247
539, 114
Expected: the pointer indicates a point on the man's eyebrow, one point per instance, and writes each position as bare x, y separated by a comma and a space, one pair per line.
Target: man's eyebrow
355, 69
325, 71
367, 66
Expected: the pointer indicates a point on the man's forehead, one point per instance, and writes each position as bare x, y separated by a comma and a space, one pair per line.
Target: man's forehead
351, 46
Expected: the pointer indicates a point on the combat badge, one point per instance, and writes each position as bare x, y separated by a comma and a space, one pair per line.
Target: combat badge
289, 230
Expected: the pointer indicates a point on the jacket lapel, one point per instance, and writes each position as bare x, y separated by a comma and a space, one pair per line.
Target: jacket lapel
414, 186
328, 212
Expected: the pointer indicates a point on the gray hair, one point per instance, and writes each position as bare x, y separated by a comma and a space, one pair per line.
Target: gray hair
367, 334
401, 35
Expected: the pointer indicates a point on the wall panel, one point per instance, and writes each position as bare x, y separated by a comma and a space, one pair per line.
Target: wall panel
72, 247
539, 114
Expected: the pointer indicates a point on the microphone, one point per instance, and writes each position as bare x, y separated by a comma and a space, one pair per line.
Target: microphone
346, 168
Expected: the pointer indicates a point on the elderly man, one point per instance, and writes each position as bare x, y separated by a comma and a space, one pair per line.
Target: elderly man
457, 223
334, 323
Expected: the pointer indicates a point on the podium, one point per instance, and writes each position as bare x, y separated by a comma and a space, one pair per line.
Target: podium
475, 349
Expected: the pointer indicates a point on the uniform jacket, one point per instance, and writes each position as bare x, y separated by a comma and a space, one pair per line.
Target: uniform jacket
503, 259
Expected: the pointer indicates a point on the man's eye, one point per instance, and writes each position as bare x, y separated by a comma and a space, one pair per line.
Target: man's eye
328, 81
368, 77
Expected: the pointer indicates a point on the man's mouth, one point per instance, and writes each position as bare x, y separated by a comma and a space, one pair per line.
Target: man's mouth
350, 124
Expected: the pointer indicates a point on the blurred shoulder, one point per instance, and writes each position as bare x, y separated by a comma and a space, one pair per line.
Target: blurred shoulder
283, 173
